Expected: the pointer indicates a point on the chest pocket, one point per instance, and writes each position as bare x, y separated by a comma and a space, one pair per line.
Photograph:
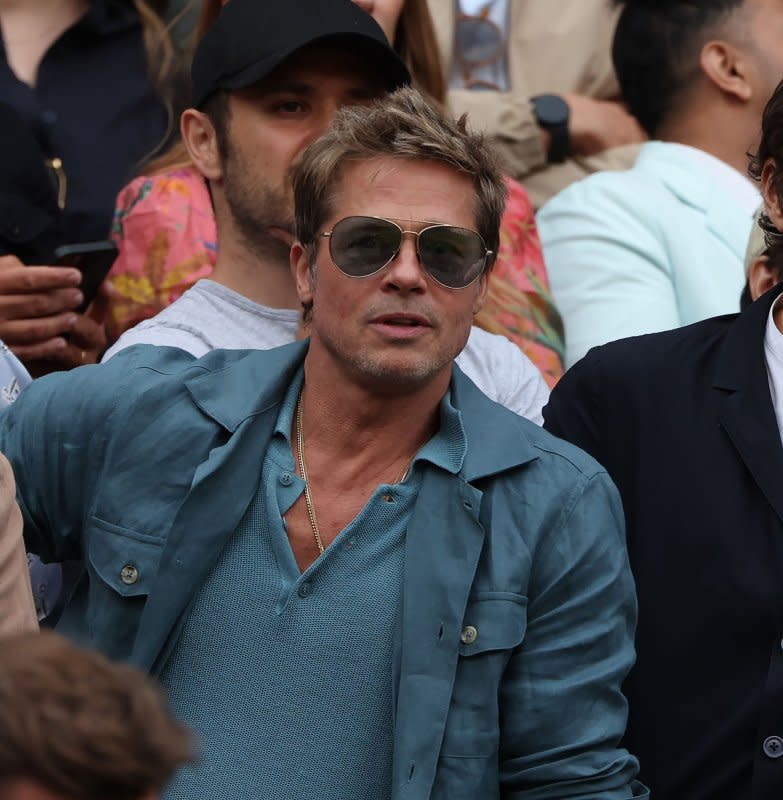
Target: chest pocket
494, 625
122, 565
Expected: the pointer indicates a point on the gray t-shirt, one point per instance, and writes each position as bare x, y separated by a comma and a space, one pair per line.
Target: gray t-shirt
209, 316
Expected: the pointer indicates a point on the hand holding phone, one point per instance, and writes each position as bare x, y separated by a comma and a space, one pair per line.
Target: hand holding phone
93, 260
39, 319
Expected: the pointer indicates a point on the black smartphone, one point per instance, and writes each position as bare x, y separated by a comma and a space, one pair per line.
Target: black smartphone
93, 260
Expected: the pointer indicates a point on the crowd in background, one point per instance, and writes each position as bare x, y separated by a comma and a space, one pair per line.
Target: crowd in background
630, 308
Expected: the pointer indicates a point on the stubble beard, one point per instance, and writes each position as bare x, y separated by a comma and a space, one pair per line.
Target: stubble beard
256, 208
383, 371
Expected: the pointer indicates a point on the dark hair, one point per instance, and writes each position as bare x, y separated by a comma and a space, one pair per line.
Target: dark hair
771, 144
218, 110
656, 52
774, 256
81, 726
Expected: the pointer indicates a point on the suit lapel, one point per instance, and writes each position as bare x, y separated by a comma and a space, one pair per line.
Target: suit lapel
745, 409
691, 182
442, 550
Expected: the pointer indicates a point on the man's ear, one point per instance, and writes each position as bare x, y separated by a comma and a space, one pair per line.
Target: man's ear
727, 68
303, 273
769, 191
761, 277
198, 134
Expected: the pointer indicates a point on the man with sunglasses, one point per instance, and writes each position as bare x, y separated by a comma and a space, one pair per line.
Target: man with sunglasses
246, 129
355, 575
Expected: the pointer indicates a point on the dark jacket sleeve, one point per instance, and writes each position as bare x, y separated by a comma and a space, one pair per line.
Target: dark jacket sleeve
574, 412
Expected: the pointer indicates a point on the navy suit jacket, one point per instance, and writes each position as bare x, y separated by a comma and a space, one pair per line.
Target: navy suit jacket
683, 422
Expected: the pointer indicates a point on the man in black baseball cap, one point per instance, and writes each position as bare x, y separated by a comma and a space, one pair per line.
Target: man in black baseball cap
249, 39
267, 79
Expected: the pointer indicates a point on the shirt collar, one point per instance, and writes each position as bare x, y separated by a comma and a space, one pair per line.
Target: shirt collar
745, 191
446, 449
285, 418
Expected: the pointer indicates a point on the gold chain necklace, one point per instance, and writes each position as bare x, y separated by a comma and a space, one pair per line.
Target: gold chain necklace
303, 474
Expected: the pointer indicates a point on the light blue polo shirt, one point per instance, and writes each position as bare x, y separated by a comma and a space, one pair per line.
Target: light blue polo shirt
286, 677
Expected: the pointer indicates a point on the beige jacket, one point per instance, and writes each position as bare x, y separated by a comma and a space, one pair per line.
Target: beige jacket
554, 46
17, 610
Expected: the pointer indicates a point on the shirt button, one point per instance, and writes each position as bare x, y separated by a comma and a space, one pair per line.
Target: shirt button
305, 589
469, 635
129, 574
286, 479
49, 117
773, 747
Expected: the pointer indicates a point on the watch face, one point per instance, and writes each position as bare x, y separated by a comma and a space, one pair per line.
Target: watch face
551, 110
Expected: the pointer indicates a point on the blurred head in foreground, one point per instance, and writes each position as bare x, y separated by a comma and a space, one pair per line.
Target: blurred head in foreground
76, 726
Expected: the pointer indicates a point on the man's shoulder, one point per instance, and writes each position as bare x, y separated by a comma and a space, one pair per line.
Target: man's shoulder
504, 373
139, 368
177, 325
130, 372
639, 189
179, 364
651, 366
679, 348
559, 457
161, 387
500, 441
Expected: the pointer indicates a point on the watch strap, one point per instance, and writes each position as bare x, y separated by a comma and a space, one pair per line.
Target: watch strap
552, 115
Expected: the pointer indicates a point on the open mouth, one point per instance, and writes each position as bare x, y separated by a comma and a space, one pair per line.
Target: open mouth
401, 326
403, 320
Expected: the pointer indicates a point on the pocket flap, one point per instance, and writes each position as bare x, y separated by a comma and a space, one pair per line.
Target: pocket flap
493, 621
125, 560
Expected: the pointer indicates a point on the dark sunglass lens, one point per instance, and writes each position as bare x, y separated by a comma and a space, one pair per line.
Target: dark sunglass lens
362, 245
453, 256
479, 41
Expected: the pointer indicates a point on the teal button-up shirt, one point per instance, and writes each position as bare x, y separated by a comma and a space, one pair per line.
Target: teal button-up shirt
518, 605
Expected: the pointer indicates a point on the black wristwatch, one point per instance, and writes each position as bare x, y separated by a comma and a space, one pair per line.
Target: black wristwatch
552, 115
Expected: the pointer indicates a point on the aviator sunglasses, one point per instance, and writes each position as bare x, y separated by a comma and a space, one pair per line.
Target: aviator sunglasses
362, 246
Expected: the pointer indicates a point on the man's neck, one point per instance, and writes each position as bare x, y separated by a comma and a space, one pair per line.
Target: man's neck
728, 140
263, 277
355, 430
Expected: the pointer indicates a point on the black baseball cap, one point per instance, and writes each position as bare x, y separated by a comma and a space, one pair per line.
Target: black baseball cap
250, 38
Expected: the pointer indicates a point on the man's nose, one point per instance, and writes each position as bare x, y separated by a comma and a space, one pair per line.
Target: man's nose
404, 271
